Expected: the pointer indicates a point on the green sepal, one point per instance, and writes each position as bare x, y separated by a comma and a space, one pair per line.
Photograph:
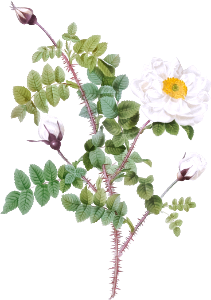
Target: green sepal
121, 82
127, 109
130, 122
112, 59
96, 76
91, 43
22, 181
87, 162
63, 186
19, 112
21, 94
40, 101
52, 95
158, 128
118, 221
107, 217
111, 149
112, 126
172, 127
70, 202
53, 188
122, 209
50, 171
48, 75
42, 194
97, 158
145, 190
25, 201
78, 183
36, 174
83, 212
96, 213
99, 198
113, 202
130, 178
106, 69
190, 131
11, 202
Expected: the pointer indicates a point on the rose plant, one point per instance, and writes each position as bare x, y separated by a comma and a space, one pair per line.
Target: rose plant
171, 98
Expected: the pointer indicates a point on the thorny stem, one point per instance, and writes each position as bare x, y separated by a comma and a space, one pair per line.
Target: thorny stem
117, 233
70, 68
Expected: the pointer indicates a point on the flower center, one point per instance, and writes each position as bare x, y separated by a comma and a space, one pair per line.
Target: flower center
175, 88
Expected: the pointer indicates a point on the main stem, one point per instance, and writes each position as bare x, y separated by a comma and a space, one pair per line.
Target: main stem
93, 122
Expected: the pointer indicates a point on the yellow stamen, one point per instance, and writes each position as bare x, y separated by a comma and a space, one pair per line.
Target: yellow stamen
175, 88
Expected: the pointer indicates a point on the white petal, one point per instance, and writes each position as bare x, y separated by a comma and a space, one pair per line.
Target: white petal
174, 68
159, 67
156, 116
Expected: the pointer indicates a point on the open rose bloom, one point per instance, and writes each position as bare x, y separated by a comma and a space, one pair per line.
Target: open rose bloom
170, 93
191, 166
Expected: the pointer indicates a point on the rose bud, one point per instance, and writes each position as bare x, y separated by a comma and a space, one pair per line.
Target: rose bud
191, 166
51, 131
25, 15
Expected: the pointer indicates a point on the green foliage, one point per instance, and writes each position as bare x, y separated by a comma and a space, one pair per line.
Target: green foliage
181, 205
114, 211
129, 223
49, 88
145, 190
189, 130
174, 225
172, 219
154, 204
23, 198
42, 96
172, 128
127, 109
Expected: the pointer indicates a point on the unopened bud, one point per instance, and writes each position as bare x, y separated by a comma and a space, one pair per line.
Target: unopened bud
191, 166
24, 14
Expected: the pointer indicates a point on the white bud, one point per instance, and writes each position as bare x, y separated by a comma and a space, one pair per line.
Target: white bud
51, 131
195, 163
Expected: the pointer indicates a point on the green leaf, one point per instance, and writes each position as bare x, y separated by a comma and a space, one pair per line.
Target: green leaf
136, 157
70, 202
22, 181
72, 84
34, 81
42, 194
189, 130
66, 36
88, 146
86, 196
62, 172
107, 70
48, 76
83, 212
181, 200
74, 38
79, 46
106, 90
131, 133
121, 82
177, 231
112, 126
84, 112
64, 92
11, 202
19, 111
154, 204
118, 95
118, 140
46, 55
129, 123
109, 107
37, 56
111, 149
21, 94
97, 158
107, 217
36, 174
188, 200
100, 49
40, 101
72, 28
172, 127
91, 61
145, 190
149, 179
91, 43
37, 117
25, 201
69, 178
98, 139
59, 44
59, 75
91, 91
99, 198
31, 107
58, 52
52, 95
95, 76
158, 128
53, 187
63, 186
192, 205
186, 207
113, 202
50, 171
122, 209
172, 225
128, 221
87, 162
112, 59
78, 183
80, 172
96, 213
118, 221
98, 183
130, 179
52, 51
174, 202
178, 222
127, 109
108, 80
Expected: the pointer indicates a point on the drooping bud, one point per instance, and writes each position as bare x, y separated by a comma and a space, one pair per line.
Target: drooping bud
98, 139
191, 166
24, 14
51, 131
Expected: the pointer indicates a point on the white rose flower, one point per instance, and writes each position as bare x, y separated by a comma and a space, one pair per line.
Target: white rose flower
170, 93
191, 166
51, 131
